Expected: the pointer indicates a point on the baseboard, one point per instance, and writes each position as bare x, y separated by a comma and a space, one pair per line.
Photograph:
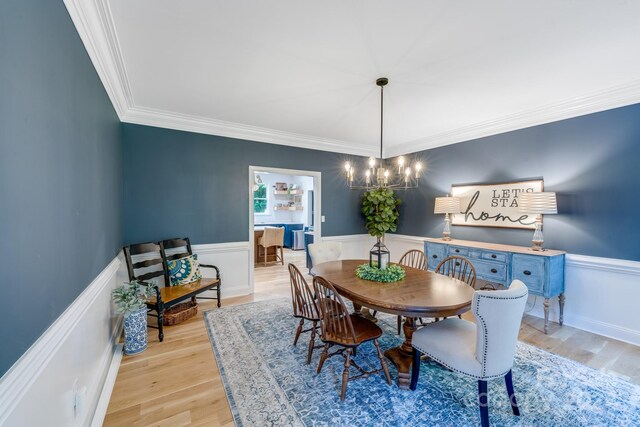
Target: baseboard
64, 353
109, 383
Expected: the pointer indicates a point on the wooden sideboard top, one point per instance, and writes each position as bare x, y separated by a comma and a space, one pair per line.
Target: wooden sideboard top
496, 247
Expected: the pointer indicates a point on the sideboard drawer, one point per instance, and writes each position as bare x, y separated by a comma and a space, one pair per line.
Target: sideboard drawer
491, 271
474, 253
529, 269
458, 251
495, 256
435, 254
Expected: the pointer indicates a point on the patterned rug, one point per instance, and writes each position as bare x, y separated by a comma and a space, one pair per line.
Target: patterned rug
269, 384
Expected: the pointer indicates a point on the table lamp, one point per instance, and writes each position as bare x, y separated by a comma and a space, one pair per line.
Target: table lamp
447, 205
542, 203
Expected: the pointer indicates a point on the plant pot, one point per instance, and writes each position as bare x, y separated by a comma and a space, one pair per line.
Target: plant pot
135, 332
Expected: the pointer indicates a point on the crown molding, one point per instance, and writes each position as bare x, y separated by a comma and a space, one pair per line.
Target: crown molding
94, 23
614, 97
184, 122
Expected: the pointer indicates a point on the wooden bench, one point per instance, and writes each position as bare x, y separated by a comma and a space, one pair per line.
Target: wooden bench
147, 262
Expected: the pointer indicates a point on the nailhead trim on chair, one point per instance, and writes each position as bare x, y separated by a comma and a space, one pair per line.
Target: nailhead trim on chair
458, 371
484, 328
486, 344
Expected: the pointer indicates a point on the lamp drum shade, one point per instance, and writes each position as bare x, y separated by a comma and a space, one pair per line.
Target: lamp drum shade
447, 205
538, 203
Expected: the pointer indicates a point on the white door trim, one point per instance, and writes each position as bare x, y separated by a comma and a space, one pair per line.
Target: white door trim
317, 198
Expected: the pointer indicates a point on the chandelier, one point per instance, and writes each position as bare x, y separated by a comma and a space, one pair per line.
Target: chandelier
376, 175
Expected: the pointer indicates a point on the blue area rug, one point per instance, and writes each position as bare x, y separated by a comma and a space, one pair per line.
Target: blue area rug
269, 384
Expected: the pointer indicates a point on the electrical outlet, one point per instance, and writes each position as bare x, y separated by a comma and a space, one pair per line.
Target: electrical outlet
322, 218
74, 397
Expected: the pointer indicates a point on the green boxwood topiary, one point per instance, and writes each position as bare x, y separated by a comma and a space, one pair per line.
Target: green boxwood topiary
380, 209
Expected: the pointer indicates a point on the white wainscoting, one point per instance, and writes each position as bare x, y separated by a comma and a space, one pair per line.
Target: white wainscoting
77, 348
233, 261
354, 246
601, 293
602, 297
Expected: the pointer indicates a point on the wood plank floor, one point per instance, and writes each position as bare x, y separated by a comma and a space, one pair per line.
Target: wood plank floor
177, 383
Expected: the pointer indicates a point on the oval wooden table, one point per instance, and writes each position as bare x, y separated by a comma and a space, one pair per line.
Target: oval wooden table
421, 294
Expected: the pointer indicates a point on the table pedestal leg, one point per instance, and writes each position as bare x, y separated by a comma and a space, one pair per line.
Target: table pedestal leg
401, 356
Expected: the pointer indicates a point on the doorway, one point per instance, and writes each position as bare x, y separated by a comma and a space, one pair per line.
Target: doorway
288, 199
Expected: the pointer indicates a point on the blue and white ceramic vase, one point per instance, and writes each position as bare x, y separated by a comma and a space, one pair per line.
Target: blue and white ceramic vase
135, 332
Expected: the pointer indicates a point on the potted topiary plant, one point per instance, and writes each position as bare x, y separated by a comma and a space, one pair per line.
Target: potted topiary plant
380, 209
130, 299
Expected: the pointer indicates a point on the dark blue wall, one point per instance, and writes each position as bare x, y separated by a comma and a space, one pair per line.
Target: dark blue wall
592, 162
60, 171
187, 184
181, 183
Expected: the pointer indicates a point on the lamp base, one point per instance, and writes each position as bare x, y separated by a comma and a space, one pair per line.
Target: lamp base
446, 231
537, 245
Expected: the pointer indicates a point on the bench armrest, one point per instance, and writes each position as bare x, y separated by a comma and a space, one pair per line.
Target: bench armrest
214, 267
155, 288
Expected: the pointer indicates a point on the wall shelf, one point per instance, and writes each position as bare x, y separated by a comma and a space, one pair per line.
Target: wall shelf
288, 192
287, 208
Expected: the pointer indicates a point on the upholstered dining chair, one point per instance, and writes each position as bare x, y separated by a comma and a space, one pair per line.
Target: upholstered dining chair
304, 307
348, 331
482, 350
272, 236
324, 252
413, 258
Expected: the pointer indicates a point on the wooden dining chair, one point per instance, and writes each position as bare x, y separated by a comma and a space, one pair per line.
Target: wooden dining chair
345, 330
459, 268
304, 307
272, 236
483, 349
414, 258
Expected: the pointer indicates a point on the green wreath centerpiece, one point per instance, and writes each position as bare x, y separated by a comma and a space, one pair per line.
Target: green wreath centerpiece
393, 273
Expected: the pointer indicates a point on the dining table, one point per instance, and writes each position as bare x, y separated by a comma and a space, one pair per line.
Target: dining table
421, 294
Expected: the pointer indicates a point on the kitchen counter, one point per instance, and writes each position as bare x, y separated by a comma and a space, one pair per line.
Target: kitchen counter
289, 227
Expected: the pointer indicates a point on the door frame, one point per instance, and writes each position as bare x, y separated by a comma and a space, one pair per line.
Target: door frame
317, 199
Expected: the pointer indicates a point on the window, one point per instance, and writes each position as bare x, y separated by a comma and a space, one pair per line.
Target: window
260, 200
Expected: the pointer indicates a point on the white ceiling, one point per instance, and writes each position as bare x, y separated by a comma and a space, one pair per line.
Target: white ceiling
303, 72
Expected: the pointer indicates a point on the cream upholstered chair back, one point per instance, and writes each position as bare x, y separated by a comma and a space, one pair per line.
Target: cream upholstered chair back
272, 236
324, 252
498, 316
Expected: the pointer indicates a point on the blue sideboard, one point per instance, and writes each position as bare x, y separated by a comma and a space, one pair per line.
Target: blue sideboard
542, 272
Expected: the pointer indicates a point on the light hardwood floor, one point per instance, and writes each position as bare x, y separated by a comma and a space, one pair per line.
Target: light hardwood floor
177, 383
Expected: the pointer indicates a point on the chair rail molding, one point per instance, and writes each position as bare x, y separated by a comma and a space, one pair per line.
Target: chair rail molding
38, 372
620, 266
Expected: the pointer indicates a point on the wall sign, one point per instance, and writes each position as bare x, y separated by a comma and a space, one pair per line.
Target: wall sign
494, 205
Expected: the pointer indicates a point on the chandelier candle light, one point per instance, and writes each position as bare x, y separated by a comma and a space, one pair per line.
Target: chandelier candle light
376, 175
540, 203
447, 205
